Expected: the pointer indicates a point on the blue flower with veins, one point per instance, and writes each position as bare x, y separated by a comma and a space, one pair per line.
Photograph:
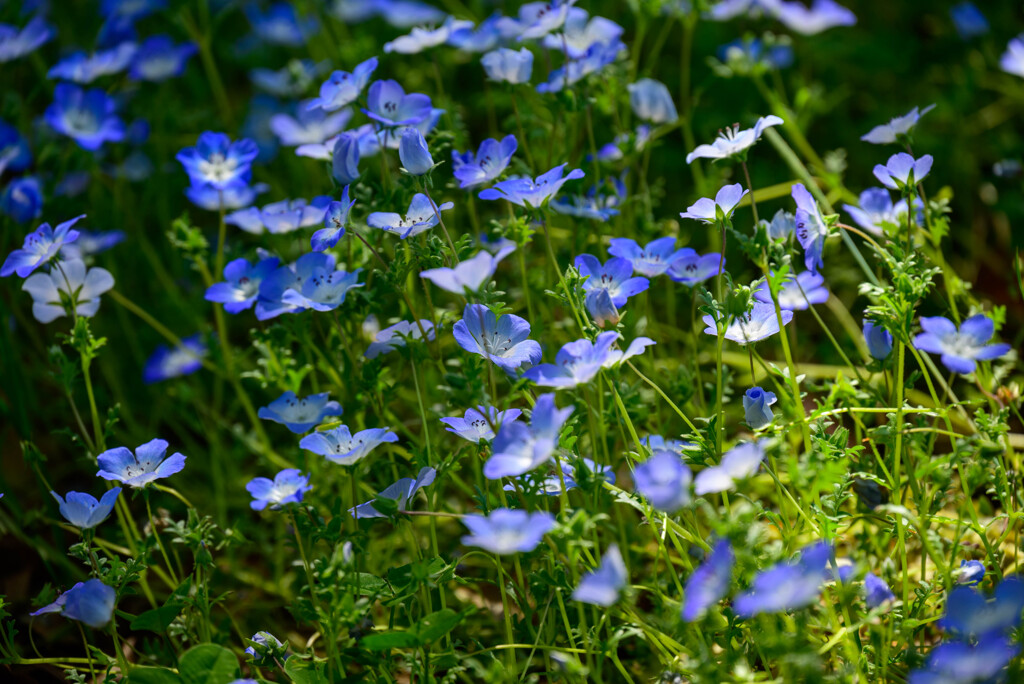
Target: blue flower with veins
308, 126
342, 88
491, 160
961, 348
759, 324
420, 218
651, 260
896, 128
91, 603
420, 39
167, 363
581, 32
469, 275
691, 268
811, 228
527, 192
739, 463
270, 302
335, 221
234, 195
217, 161
300, 415
288, 486
578, 362
83, 510
519, 448
400, 492
599, 204
709, 210
786, 586
388, 104
602, 586
84, 68
796, 294
820, 16
902, 171
89, 117
507, 531
39, 247
340, 446
664, 480
280, 217
323, 290
241, 285
501, 340
876, 210
139, 469
479, 424
733, 142
398, 335
15, 43
615, 276
709, 583
68, 284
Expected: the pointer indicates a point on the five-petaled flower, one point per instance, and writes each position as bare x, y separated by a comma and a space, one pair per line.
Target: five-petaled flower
340, 446
507, 531
733, 142
502, 340
144, 466
961, 348
300, 415
288, 486
719, 209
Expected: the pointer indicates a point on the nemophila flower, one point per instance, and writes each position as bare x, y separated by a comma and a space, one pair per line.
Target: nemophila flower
288, 486
15, 154
757, 409
1012, 61
15, 43
796, 294
479, 424
414, 153
398, 335
896, 129
217, 161
664, 480
786, 586
89, 117
811, 227
265, 648
491, 160
159, 59
691, 268
507, 531
308, 126
602, 308
345, 157
343, 88
519, 448
22, 199
746, 55
39, 247
91, 603
597, 57
970, 572
234, 195
959, 662
877, 209
903, 171
241, 285
144, 466
652, 102
90, 243
615, 276
420, 39
709, 583
391, 136
420, 218
969, 21
820, 16
83, 510
601, 587
710, 210
537, 19
400, 492
340, 446
335, 221
68, 284
879, 340
651, 260
167, 363
300, 415
290, 81
469, 275
388, 103
480, 37
324, 290
578, 362
970, 615
782, 225
659, 443
732, 142
502, 340
281, 217
960, 349
509, 66
595, 205
527, 192
760, 324
84, 68
581, 32
397, 13
876, 592
281, 25
739, 463
725, 10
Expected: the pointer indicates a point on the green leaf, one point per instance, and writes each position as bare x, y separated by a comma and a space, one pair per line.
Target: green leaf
385, 641
208, 664
434, 626
304, 671
158, 619
152, 675
368, 584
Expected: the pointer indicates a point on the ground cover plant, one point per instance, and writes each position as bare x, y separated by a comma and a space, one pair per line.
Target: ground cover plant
396, 341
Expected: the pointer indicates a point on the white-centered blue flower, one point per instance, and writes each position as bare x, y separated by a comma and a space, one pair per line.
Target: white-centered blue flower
709, 210
400, 492
300, 414
519, 448
739, 463
144, 466
480, 424
733, 142
961, 348
340, 446
67, 284
507, 531
903, 171
897, 128
421, 217
578, 362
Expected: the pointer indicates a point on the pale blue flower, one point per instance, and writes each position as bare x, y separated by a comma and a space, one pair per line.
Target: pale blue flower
579, 362
281, 25
398, 335
324, 290
288, 486
757, 407
903, 171
811, 227
879, 340
691, 268
84, 68
709, 210
739, 463
91, 603
89, 117
787, 585
300, 415
760, 324
218, 161
581, 32
651, 260
961, 662
527, 192
479, 424
1012, 61
709, 582
67, 283
615, 276
421, 217
343, 88
420, 39
491, 160
335, 221
897, 128
970, 614
821, 16
796, 294
602, 586
309, 126
876, 592
39, 247
960, 349
281, 217
469, 275
401, 492
388, 103
159, 59
241, 285
564, 472
519, 448
664, 480
345, 155
15, 43
83, 510
167, 363
733, 142
507, 531
414, 153
970, 572
270, 302
501, 340
652, 102
144, 466
537, 19
877, 210
597, 57
340, 446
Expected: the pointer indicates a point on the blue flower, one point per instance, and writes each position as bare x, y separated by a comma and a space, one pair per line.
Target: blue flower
719, 209
469, 275
783, 225
68, 285
265, 648
595, 205
309, 126
324, 290
479, 38
602, 308
420, 39
345, 158
167, 363
902, 171
130, 9
15, 154
507, 531
811, 227
398, 335
387, 103
581, 32
970, 572
291, 80
876, 592
897, 128
601, 587
652, 102
343, 88
401, 492
597, 57
89, 117
578, 362
270, 302
281, 25
970, 615
414, 153
796, 294
479, 423
615, 276
787, 585
1012, 61
241, 285
960, 349
745, 55
709, 583
146, 465
39, 247
335, 220
876, 210
501, 340
821, 16
740, 462
421, 217
664, 480
83, 68
90, 243
234, 195
509, 66
653, 259
490, 161
958, 662
281, 217
659, 443
340, 446
217, 161
22, 199
91, 603
879, 340
732, 142
83, 510
519, 448
300, 415
537, 19
757, 407
760, 324
527, 192
15, 43
691, 268
288, 486
969, 21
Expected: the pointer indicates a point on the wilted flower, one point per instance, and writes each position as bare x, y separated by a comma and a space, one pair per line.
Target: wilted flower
400, 492
579, 362
83, 510
477, 427
146, 465
507, 531
67, 284
519, 448
757, 408
664, 480
490, 161
340, 446
960, 349
719, 209
740, 462
733, 142
601, 587
288, 486
91, 603
300, 415
501, 340
786, 586
709, 583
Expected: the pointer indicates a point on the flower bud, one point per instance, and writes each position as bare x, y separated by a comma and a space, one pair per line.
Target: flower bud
413, 152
